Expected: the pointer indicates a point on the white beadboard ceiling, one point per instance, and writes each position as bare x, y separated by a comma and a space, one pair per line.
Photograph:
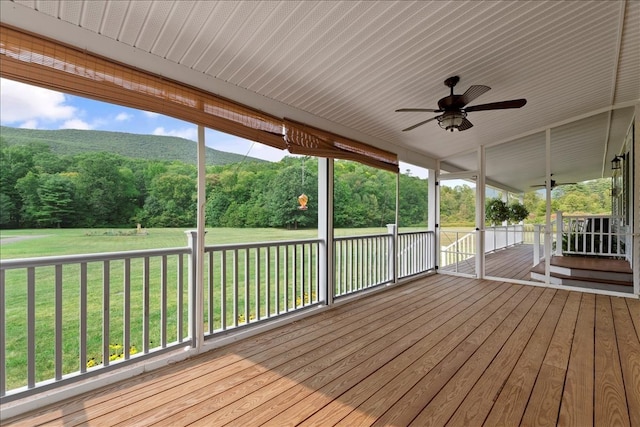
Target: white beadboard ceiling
347, 65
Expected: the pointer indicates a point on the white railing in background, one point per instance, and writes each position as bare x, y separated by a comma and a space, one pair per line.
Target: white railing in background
108, 310
598, 235
461, 249
501, 237
99, 310
250, 282
416, 253
362, 262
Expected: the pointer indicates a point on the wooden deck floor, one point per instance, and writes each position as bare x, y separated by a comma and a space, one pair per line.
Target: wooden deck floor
442, 350
514, 262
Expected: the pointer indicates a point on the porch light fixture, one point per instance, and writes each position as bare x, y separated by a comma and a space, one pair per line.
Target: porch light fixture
615, 163
451, 120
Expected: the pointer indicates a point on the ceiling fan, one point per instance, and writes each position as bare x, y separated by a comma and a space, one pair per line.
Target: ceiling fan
452, 107
553, 183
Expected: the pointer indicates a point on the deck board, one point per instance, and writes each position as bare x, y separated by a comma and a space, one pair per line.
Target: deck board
577, 402
610, 405
442, 350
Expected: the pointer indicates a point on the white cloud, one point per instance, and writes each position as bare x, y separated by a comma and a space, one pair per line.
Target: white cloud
187, 133
25, 104
76, 124
29, 124
151, 115
123, 117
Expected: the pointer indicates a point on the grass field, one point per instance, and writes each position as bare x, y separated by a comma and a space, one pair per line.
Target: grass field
55, 242
50, 242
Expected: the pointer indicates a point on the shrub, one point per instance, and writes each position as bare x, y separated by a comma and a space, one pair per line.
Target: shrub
517, 212
496, 211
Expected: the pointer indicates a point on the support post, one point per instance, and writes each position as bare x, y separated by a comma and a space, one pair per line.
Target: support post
326, 262
634, 152
547, 230
432, 215
536, 244
193, 261
480, 214
392, 256
559, 233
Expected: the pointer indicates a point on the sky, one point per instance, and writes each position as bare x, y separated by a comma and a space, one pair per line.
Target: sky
32, 107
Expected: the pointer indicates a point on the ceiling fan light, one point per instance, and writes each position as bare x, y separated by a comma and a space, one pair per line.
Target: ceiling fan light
451, 120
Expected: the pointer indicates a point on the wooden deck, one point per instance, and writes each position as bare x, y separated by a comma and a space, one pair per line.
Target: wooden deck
514, 262
439, 351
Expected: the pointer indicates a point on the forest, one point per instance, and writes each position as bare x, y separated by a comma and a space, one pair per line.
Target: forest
40, 188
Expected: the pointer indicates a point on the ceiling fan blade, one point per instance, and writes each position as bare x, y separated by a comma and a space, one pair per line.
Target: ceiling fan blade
514, 103
408, 110
466, 124
473, 92
419, 124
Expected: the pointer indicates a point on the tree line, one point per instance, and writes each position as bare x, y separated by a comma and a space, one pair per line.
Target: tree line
42, 189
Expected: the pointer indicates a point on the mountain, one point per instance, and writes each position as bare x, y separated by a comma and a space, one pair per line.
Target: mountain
153, 147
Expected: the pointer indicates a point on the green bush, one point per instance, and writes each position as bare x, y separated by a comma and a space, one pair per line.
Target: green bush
496, 211
517, 212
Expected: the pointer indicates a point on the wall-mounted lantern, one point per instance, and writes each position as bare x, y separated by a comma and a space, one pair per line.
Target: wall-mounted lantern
615, 163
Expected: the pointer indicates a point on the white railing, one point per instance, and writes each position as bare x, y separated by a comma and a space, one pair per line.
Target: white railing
362, 262
249, 282
416, 253
501, 237
596, 235
103, 311
99, 310
461, 249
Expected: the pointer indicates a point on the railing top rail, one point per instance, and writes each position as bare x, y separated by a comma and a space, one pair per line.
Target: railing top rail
404, 233
233, 246
591, 216
361, 236
102, 256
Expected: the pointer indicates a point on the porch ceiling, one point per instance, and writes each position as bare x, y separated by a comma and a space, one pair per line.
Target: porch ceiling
347, 65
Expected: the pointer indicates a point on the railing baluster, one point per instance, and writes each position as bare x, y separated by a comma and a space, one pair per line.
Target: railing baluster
257, 275
223, 290
106, 319
126, 309
302, 274
235, 287
277, 274
286, 278
83, 317
211, 281
267, 273
145, 305
180, 299
247, 293
31, 327
163, 301
58, 322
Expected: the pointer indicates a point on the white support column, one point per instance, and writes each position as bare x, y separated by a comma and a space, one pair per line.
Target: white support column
547, 231
433, 214
202, 200
559, 233
480, 214
395, 233
326, 262
536, 244
635, 208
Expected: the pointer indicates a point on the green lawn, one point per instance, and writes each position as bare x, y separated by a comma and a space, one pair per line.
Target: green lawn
50, 242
